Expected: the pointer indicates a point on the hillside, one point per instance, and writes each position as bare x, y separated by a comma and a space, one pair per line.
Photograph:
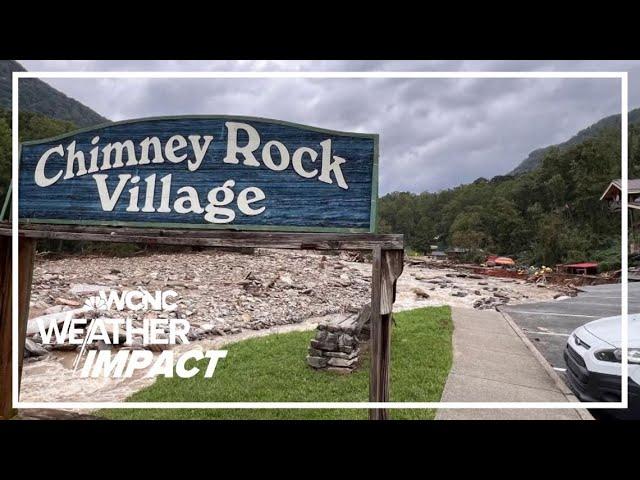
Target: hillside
37, 96
548, 215
535, 158
33, 126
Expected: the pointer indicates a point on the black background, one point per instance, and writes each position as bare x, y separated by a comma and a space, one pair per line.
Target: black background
320, 31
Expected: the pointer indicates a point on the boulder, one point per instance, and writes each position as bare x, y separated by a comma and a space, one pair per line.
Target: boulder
341, 362
68, 302
32, 349
420, 292
345, 356
82, 289
317, 362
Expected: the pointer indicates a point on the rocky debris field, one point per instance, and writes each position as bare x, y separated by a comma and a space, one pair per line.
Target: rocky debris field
219, 293
481, 292
224, 293
423, 285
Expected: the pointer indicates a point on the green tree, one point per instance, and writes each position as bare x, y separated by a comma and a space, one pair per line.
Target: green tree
5, 158
549, 215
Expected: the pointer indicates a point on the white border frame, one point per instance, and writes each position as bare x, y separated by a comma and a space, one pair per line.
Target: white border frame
622, 76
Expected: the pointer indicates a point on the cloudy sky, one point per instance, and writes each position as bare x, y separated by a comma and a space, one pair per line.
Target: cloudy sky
434, 133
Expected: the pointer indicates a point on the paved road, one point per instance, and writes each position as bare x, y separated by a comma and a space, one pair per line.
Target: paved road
548, 324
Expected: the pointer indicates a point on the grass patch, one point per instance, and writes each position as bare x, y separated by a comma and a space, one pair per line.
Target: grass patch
273, 368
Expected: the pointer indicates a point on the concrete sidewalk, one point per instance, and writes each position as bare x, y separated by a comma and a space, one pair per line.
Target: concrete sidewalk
492, 362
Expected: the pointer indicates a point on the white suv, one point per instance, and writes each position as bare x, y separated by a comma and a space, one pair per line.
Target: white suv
593, 357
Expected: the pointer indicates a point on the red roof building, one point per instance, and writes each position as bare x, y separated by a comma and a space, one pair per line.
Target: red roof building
582, 268
505, 261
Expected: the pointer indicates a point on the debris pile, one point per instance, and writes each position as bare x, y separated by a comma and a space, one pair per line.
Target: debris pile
421, 285
225, 293
219, 293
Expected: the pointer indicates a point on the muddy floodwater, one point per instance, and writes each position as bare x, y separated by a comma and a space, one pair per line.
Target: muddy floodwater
52, 378
229, 297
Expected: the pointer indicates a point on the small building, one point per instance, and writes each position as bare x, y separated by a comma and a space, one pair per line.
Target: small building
583, 268
437, 255
613, 194
456, 253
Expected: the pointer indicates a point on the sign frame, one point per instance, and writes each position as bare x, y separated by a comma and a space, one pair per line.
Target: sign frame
387, 250
373, 224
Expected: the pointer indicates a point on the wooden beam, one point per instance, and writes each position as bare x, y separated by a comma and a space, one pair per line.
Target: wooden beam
26, 252
6, 411
387, 267
384, 363
211, 238
392, 264
375, 338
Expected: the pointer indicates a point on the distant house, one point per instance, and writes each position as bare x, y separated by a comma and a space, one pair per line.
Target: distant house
456, 253
437, 255
613, 196
583, 268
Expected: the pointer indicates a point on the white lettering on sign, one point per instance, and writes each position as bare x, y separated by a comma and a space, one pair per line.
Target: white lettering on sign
188, 200
249, 159
244, 146
274, 155
40, 178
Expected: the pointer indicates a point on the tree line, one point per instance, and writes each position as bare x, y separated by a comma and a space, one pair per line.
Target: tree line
547, 216
33, 126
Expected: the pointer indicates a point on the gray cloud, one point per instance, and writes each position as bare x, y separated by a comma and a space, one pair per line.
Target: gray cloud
434, 133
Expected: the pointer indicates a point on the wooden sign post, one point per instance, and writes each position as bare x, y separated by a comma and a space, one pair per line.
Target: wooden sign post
214, 181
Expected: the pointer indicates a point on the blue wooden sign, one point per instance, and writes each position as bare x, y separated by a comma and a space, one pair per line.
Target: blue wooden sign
237, 173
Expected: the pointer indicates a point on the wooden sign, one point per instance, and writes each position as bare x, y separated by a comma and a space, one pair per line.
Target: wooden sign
235, 173
159, 179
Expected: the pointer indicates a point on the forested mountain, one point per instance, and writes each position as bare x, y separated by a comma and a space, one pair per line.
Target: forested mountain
535, 158
44, 112
37, 96
33, 126
548, 215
